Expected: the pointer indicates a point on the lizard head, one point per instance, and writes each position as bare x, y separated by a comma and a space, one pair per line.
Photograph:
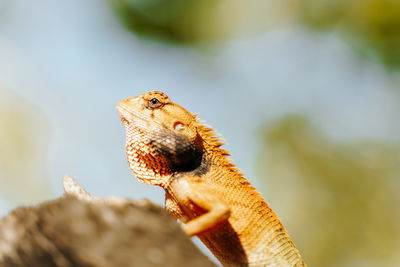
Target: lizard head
161, 137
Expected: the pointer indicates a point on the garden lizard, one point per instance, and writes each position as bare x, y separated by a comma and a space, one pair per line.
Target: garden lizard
168, 146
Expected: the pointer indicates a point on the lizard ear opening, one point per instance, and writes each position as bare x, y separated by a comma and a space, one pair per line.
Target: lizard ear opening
178, 126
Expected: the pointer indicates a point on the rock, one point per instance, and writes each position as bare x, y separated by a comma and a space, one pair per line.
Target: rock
81, 230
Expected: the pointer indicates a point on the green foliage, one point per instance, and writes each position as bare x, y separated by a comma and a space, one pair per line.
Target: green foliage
372, 26
201, 21
175, 20
340, 202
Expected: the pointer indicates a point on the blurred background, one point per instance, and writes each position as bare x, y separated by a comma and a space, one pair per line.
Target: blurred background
306, 93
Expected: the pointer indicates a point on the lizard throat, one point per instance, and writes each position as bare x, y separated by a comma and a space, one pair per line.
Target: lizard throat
157, 156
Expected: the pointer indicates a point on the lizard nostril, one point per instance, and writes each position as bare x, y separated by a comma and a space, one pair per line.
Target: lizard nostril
178, 126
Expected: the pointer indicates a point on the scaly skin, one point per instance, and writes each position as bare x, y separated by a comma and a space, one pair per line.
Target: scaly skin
168, 146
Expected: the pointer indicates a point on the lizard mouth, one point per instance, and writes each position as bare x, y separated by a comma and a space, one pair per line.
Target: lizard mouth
127, 115
122, 112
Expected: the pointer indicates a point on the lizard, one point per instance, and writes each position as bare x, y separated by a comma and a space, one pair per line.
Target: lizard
168, 146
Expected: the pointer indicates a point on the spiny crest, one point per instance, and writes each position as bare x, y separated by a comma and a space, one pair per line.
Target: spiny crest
213, 142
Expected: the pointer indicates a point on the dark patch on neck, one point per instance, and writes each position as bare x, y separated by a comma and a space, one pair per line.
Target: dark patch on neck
183, 154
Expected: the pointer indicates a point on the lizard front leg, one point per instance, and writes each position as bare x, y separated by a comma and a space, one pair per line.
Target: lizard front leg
173, 208
200, 195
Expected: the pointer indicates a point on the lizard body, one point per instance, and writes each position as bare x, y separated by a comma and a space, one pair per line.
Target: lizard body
169, 147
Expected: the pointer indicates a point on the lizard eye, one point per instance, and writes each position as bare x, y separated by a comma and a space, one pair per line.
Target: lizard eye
154, 103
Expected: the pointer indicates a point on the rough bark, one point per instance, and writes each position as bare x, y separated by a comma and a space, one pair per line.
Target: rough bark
81, 230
